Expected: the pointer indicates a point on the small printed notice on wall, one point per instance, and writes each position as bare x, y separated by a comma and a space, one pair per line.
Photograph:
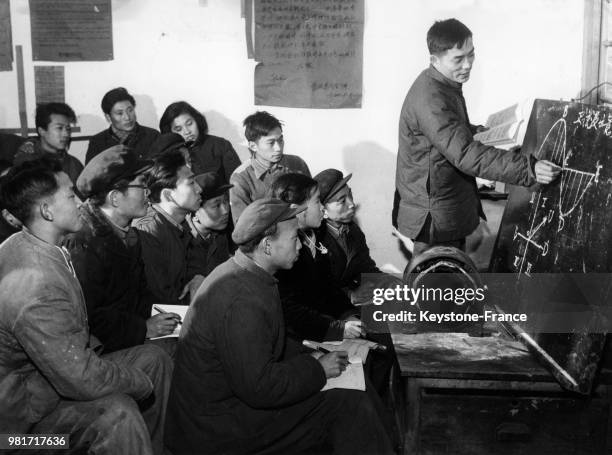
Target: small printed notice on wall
49, 84
310, 53
6, 42
71, 30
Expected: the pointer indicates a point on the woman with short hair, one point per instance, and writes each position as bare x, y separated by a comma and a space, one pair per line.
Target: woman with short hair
208, 153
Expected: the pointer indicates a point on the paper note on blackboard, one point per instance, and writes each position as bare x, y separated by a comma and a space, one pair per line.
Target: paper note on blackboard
71, 30
49, 84
311, 53
6, 42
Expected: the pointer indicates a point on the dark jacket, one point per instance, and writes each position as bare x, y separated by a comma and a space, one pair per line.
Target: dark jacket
46, 353
214, 154
346, 269
438, 160
233, 389
32, 150
139, 141
314, 307
9, 144
112, 276
165, 251
208, 253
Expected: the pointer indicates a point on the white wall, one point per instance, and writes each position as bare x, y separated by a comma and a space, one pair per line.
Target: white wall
195, 50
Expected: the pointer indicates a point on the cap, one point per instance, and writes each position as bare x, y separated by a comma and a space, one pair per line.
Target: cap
107, 168
330, 182
260, 215
212, 185
164, 143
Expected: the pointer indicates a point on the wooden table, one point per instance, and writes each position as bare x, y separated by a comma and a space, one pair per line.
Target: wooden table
486, 395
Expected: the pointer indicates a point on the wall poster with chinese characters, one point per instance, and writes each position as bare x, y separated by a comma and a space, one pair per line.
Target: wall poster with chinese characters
310, 53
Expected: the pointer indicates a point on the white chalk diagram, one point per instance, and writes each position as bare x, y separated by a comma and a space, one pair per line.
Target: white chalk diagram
573, 185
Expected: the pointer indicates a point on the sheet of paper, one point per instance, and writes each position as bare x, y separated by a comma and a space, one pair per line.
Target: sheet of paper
71, 30
181, 310
355, 347
351, 378
310, 53
49, 84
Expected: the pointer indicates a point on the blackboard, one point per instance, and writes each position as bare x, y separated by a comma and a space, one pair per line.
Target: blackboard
553, 242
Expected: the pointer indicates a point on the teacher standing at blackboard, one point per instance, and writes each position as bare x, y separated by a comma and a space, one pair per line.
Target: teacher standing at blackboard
438, 158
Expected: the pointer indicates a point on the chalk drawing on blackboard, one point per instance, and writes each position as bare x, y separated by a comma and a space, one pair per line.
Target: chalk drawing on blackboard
574, 183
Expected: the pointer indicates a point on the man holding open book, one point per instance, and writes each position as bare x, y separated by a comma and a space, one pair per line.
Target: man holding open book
438, 158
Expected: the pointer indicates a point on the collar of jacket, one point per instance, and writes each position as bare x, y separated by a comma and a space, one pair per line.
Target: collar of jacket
260, 170
38, 149
99, 223
128, 136
56, 253
167, 218
249, 264
438, 76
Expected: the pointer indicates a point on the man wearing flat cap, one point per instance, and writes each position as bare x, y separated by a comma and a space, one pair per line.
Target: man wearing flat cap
107, 252
348, 251
164, 233
234, 390
209, 225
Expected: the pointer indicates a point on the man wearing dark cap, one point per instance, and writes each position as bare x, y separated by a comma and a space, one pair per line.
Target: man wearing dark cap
107, 253
348, 251
54, 379
212, 244
233, 389
54, 127
164, 233
124, 134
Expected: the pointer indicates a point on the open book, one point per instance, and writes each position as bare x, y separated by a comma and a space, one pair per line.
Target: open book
506, 127
181, 310
353, 377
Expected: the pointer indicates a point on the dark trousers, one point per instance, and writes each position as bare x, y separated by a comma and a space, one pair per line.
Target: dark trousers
344, 422
425, 240
109, 425
158, 365
116, 424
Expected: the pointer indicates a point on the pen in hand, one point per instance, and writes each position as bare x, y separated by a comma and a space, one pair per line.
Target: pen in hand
160, 310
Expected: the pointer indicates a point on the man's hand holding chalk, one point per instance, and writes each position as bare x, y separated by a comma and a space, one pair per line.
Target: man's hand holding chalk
546, 171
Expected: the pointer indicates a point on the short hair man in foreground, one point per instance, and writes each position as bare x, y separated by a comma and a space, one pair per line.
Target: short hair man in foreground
53, 380
233, 390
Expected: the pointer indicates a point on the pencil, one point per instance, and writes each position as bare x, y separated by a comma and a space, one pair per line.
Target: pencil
159, 310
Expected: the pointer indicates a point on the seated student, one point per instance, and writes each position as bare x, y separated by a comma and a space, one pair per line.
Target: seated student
106, 253
124, 133
164, 234
315, 307
212, 244
8, 223
234, 390
252, 178
53, 125
208, 153
53, 380
345, 242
